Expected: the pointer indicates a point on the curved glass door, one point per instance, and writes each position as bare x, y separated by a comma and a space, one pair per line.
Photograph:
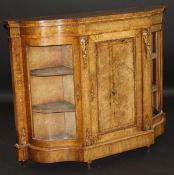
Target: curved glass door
156, 73
52, 92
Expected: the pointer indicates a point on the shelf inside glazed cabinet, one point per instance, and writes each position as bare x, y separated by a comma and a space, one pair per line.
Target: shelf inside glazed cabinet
54, 107
52, 71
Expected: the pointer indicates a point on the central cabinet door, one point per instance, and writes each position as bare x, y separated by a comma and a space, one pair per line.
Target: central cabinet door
116, 85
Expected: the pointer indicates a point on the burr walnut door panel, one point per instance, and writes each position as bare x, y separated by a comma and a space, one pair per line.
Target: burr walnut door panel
116, 85
115, 77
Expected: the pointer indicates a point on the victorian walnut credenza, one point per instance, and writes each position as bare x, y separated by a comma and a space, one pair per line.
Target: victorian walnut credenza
87, 86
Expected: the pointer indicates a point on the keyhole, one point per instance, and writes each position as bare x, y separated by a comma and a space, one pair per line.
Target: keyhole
113, 92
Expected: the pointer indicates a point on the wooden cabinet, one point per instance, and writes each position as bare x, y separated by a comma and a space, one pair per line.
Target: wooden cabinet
87, 86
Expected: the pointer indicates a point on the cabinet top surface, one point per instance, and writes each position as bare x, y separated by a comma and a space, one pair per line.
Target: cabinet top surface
85, 17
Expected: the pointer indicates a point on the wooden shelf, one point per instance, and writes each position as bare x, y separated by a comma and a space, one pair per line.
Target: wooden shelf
55, 107
154, 55
52, 71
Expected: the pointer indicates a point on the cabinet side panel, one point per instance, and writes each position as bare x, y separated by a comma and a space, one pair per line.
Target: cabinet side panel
19, 97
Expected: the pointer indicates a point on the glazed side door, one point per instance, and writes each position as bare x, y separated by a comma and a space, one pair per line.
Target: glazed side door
49, 133
115, 85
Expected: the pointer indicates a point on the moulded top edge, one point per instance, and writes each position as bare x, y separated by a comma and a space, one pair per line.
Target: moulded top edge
84, 17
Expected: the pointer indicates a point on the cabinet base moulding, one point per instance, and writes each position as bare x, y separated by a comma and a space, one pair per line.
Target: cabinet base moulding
22, 152
120, 145
159, 124
50, 155
93, 152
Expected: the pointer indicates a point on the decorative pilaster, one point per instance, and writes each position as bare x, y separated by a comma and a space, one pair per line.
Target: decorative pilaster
83, 43
146, 36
